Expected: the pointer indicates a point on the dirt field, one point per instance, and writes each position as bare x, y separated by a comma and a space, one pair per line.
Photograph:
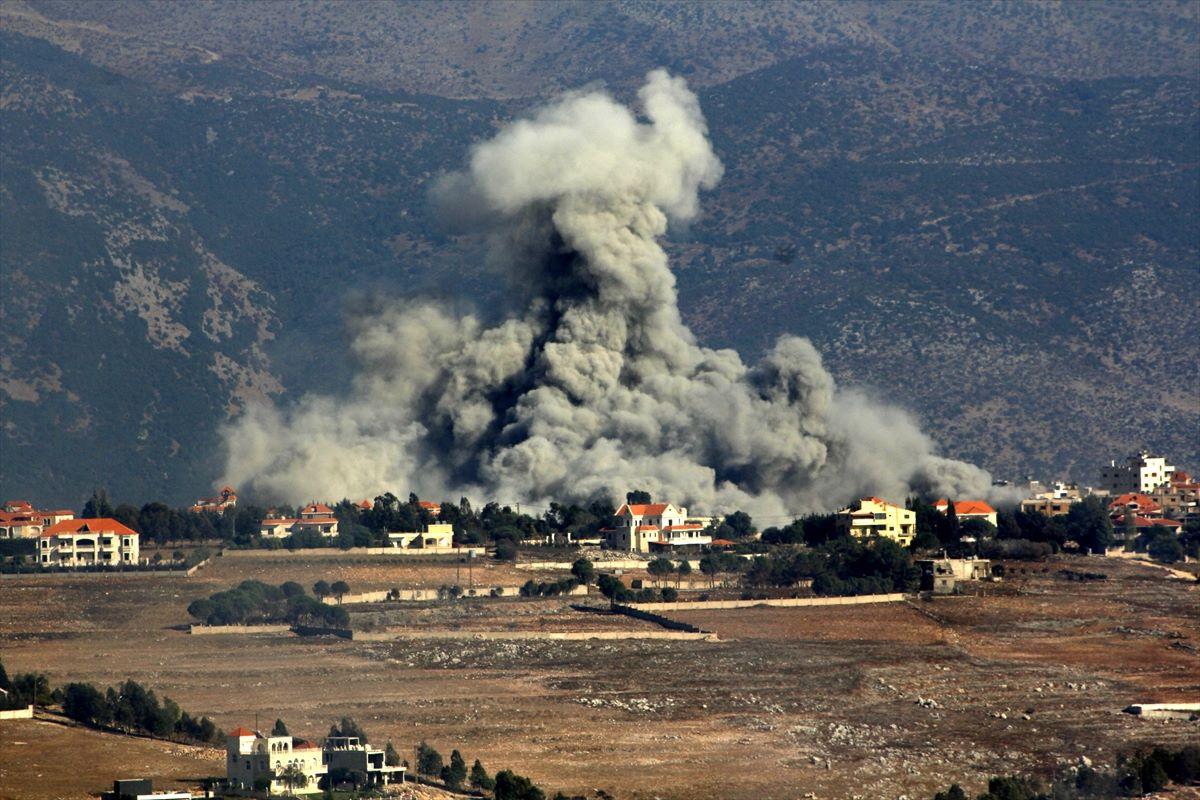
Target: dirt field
868, 701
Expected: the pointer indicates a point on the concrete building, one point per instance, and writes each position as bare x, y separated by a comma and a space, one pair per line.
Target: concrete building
436, 534
1049, 506
274, 764
946, 575
226, 498
642, 527
346, 754
1141, 472
968, 509
140, 789
85, 542
872, 516
1141, 505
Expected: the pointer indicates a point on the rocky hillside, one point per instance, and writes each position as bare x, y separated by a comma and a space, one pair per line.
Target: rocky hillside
985, 212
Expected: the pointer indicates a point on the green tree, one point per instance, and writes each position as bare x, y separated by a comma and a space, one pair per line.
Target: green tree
480, 778
710, 565
347, 726
511, 786
280, 729
638, 497
322, 589
506, 550
84, 703
584, 570
456, 771
390, 757
340, 589
1088, 524
660, 567
97, 505
738, 525
429, 760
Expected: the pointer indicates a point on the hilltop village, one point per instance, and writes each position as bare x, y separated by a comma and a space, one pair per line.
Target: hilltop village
413, 587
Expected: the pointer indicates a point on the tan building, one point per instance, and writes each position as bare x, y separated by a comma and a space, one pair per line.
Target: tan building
316, 517
873, 516
86, 542
437, 534
945, 575
1051, 507
968, 509
643, 527
275, 764
226, 498
20, 520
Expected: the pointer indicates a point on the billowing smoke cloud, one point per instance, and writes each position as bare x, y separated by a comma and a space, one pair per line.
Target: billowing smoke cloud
596, 385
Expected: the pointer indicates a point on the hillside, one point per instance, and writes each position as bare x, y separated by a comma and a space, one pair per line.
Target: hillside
984, 212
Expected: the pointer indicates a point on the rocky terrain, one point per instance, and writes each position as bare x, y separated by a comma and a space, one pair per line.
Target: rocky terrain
984, 212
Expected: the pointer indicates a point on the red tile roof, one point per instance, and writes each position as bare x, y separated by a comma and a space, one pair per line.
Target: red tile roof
647, 527
425, 504
239, 732
317, 508
962, 507
643, 509
305, 746
1146, 522
687, 526
96, 525
365, 505
722, 543
1143, 502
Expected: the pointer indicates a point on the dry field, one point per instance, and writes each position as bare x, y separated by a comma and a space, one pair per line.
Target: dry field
871, 702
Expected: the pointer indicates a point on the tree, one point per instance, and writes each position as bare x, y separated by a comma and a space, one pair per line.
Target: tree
511, 786
638, 497
280, 729
347, 726
739, 525
291, 589
955, 792
480, 778
97, 505
660, 567
710, 565
611, 587
1164, 547
340, 589
682, 571
456, 772
506, 550
584, 570
390, 757
1088, 524
429, 760
84, 703
293, 777
322, 589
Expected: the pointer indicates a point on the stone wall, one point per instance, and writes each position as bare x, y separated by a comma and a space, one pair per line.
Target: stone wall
241, 629
573, 636
18, 713
708, 605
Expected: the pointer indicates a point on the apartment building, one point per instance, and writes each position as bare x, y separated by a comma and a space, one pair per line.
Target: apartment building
1141, 472
874, 516
87, 542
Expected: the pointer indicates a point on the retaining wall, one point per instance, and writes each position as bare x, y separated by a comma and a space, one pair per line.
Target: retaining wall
242, 629
788, 602
424, 595
573, 636
337, 552
18, 713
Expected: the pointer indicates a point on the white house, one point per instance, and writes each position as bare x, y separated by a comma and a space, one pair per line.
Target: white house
316, 517
642, 527
277, 764
435, 535
83, 542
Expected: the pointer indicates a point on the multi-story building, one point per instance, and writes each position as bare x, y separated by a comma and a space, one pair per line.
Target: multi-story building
643, 527
968, 509
872, 516
316, 517
346, 754
1051, 507
87, 542
1141, 472
1141, 505
274, 764
226, 498
20, 520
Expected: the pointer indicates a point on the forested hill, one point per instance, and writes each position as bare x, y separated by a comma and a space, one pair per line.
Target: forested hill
986, 212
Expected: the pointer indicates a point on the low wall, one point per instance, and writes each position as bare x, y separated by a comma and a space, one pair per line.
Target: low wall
240, 629
313, 630
1165, 710
196, 568
425, 595
357, 552
788, 602
572, 636
18, 713
657, 619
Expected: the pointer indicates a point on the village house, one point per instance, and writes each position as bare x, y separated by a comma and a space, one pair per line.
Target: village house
646, 527
947, 575
1141, 472
316, 517
432, 508
873, 516
1051, 507
346, 754
1135, 503
968, 509
86, 542
435, 535
20, 520
275, 764
226, 498
1180, 499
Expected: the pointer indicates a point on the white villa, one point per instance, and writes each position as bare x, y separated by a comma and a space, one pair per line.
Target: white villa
435, 535
316, 517
20, 520
276, 764
82, 542
643, 527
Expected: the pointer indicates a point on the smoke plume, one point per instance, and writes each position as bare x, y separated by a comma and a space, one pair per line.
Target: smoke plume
595, 385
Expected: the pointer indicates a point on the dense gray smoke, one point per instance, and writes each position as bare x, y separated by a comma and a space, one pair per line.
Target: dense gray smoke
596, 386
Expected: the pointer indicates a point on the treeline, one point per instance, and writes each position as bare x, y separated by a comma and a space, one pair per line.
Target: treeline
841, 566
1135, 775
129, 707
254, 602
